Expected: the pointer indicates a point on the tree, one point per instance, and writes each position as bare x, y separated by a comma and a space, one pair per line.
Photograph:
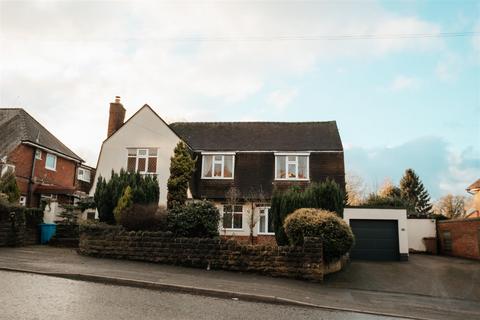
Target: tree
253, 197
8, 186
145, 190
414, 193
451, 206
232, 197
182, 167
389, 190
125, 202
355, 188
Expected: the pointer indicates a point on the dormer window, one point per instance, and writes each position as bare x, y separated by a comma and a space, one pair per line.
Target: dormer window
292, 166
218, 165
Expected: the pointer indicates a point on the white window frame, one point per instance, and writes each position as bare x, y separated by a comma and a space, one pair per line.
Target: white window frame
266, 221
38, 154
233, 217
287, 162
82, 176
6, 168
23, 201
222, 162
146, 157
54, 168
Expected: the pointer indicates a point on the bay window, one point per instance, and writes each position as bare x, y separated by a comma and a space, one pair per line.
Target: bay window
218, 166
292, 166
143, 161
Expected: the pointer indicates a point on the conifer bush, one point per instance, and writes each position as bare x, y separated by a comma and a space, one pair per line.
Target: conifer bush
337, 237
326, 195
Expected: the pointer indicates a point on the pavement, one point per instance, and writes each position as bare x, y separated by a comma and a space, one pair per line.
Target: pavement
67, 299
426, 287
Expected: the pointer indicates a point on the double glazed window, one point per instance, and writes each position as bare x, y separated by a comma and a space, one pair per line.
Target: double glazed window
218, 166
291, 167
142, 160
51, 162
265, 222
84, 174
232, 217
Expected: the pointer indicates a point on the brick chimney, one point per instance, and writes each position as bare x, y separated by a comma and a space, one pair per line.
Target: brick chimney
117, 116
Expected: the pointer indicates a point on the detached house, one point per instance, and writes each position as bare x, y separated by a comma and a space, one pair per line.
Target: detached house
253, 157
44, 167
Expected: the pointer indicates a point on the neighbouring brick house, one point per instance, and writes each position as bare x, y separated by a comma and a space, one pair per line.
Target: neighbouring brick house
44, 167
474, 189
253, 157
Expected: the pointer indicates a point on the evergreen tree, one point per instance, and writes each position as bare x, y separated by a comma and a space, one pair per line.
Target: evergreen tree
182, 167
414, 193
8, 186
125, 201
144, 189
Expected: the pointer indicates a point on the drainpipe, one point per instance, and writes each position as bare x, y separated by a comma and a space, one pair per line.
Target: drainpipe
30, 179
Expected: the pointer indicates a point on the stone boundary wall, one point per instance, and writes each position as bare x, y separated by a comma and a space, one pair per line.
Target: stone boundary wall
304, 262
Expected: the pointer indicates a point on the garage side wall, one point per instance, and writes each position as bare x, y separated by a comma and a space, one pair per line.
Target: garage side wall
419, 229
400, 215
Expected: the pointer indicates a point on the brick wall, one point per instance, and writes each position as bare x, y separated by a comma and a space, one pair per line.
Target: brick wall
464, 238
293, 262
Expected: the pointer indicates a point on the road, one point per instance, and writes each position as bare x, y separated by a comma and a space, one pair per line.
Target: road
27, 296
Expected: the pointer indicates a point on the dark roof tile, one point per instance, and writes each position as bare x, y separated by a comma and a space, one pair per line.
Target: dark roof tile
260, 136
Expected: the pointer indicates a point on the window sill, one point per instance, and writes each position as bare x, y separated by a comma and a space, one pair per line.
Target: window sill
50, 169
231, 229
266, 233
216, 178
292, 179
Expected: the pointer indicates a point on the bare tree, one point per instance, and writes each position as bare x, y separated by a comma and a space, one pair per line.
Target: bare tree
253, 197
451, 206
388, 189
356, 189
232, 197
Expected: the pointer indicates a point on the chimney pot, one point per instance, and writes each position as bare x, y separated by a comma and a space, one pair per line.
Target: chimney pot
116, 116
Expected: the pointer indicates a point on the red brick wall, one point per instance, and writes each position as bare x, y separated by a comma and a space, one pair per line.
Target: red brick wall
22, 156
464, 235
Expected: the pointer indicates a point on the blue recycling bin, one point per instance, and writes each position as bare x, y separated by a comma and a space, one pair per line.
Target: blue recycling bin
47, 230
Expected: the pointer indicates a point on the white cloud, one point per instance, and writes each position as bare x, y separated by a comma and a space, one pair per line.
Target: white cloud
449, 67
280, 99
402, 82
64, 61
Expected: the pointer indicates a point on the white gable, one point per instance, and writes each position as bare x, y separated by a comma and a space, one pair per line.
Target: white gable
143, 130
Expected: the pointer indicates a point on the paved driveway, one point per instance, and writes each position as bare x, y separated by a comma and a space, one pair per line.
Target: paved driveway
437, 276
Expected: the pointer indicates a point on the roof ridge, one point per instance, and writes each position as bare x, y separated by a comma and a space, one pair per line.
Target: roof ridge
254, 122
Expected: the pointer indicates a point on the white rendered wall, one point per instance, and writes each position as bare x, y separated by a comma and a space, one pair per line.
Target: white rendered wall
144, 130
419, 229
383, 214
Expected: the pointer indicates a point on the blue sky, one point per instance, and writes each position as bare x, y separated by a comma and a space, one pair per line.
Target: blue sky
399, 100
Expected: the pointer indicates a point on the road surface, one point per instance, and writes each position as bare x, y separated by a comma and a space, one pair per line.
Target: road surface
29, 296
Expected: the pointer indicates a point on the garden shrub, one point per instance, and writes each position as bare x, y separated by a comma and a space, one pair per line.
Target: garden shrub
145, 190
376, 201
8, 186
337, 237
182, 167
194, 220
141, 217
124, 203
326, 195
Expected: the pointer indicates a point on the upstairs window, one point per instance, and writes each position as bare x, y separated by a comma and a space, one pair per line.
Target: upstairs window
218, 166
51, 162
38, 154
292, 167
83, 174
143, 161
232, 217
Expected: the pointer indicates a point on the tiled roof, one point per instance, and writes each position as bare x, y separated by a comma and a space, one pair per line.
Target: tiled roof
475, 185
17, 126
260, 136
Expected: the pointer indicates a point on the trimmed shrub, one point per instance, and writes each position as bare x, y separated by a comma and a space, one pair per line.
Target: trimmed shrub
182, 167
195, 220
124, 203
336, 235
141, 217
145, 190
326, 195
